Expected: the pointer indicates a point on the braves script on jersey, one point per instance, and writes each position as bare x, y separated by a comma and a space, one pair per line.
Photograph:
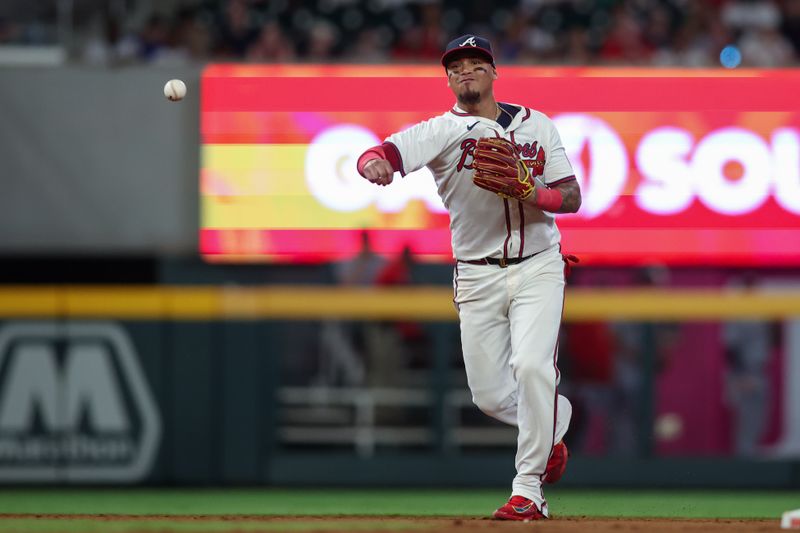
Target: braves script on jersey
483, 224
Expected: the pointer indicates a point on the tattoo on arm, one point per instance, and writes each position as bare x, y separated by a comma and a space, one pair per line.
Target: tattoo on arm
571, 195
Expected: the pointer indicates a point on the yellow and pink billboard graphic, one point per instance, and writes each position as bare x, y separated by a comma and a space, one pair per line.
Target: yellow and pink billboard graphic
675, 166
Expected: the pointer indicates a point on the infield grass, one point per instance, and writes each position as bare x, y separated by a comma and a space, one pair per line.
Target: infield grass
378, 502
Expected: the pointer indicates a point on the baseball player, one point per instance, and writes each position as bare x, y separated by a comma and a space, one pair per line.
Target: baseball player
502, 172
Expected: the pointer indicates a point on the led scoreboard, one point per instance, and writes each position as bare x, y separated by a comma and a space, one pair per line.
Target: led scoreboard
685, 167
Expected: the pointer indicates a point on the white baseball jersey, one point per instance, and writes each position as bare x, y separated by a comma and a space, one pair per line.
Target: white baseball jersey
482, 224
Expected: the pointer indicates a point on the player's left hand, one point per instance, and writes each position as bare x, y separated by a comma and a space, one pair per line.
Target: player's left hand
498, 169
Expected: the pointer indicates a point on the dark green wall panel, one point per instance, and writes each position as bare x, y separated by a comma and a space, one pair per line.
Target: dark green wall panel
192, 426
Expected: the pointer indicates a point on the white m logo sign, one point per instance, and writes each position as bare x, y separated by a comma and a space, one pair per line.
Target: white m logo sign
87, 384
74, 404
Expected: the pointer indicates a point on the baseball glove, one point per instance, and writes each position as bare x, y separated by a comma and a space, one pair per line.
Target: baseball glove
499, 170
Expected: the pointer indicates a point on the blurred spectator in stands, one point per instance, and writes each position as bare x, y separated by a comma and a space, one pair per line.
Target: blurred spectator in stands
160, 42
10, 32
577, 47
689, 48
410, 47
369, 47
363, 269
110, 46
512, 46
625, 42
642, 351
741, 15
749, 345
659, 27
790, 24
398, 270
271, 46
717, 37
236, 31
342, 343
322, 40
588, 355
627, 32
153, 38
541, 37
392, 345
757, 24
698, 39
433, 35
765, 48
420, 43
187, 41
192, 37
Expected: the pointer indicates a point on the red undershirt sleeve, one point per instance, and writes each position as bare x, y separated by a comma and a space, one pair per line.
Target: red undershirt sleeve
386, 151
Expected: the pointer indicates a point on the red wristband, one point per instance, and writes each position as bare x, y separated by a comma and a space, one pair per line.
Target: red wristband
386, 151
373, 153
548, 199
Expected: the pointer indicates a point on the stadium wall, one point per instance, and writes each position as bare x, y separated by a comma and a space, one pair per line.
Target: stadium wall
97, 161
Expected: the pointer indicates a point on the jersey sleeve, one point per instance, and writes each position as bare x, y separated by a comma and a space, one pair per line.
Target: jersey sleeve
557, 167
418, 145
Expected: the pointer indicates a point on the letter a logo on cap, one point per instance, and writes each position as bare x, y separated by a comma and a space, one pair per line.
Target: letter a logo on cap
470, 41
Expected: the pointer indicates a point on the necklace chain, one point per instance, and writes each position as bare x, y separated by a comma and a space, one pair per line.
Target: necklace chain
501, 111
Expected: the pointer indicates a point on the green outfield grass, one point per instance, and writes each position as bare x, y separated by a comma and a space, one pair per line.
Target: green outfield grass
45, 525
378, 502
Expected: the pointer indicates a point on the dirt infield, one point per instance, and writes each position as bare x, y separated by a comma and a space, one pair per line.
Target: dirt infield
370, 524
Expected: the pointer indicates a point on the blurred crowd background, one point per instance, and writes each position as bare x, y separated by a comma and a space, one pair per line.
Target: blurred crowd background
686, 33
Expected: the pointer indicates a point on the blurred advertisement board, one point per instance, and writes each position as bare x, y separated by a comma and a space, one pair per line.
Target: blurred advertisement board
689, 167
75, 405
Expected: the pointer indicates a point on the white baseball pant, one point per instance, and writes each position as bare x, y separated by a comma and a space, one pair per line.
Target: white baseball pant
510, 319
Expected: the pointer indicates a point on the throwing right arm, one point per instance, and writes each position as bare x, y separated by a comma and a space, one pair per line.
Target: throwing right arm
403, 152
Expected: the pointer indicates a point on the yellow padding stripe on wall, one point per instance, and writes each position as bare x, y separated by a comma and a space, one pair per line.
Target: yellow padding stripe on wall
407, 303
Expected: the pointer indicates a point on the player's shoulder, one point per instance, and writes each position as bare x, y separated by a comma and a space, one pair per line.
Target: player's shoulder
538, 115
443, 121
533, 120
452, 118
445, 124
433, 126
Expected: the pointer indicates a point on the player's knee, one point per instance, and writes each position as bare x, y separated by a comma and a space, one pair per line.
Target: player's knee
491, 402
532, 371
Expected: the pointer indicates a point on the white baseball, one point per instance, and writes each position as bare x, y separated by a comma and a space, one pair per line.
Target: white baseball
175, 90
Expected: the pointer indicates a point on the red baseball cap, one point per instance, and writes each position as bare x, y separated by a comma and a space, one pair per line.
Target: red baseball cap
468, 42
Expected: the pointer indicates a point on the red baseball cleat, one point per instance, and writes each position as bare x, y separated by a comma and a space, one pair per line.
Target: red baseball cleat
519, 508
557, 463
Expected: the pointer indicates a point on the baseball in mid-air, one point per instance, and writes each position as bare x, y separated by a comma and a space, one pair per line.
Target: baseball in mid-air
175, 90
